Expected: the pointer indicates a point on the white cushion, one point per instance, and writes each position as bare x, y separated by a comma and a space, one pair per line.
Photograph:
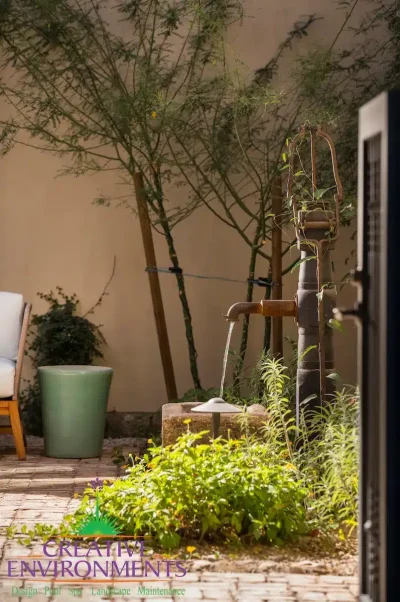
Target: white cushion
7, 374
11, 310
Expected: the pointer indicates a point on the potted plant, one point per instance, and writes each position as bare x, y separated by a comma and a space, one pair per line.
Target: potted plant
67, 401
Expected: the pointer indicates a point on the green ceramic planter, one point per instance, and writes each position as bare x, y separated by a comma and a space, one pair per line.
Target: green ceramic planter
74, 406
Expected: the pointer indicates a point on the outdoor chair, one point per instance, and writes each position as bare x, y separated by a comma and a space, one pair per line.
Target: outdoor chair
14, 318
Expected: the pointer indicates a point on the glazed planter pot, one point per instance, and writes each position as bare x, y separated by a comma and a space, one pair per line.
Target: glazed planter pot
74, 406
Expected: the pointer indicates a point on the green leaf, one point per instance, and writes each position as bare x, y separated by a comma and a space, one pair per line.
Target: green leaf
236, 523
319, 193
302, 260
310, 348
309, 398
335, 325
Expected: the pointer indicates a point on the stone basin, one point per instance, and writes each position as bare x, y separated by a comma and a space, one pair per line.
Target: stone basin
174, 415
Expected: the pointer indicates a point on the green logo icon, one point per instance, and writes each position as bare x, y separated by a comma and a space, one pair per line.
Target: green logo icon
98, 523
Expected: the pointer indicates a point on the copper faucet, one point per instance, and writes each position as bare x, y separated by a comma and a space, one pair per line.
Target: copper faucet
264, 308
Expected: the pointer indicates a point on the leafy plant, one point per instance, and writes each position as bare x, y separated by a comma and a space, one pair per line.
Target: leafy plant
223, 491
272, 487
330, 461
323, 450
280, 426
62, 336
58, 337
292, 361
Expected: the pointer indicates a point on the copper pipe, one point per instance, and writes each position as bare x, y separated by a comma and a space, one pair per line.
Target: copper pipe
279, 308
243, 308
275, 309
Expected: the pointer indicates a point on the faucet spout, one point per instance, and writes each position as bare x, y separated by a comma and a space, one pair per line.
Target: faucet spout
243, 308
264, 308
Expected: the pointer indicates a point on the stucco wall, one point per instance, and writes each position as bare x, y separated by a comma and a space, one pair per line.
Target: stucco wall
51, 234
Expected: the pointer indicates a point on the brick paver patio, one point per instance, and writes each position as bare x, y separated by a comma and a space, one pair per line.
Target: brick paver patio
42, 490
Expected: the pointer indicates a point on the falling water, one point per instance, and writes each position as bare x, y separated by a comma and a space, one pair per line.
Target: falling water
228, 344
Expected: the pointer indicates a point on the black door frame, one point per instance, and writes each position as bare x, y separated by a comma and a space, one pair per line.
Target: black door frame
378, 274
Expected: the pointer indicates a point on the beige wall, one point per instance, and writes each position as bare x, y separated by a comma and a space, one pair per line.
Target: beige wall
51, 235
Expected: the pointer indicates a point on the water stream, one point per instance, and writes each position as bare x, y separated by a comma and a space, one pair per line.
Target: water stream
228, 344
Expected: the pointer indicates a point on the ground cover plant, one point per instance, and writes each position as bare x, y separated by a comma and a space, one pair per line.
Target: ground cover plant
271, 488
222, 491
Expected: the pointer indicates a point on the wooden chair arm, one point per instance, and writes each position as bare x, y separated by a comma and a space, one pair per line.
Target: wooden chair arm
21, 349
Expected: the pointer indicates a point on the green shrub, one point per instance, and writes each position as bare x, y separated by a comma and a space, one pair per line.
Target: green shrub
222, 491
62, 337
271, 488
